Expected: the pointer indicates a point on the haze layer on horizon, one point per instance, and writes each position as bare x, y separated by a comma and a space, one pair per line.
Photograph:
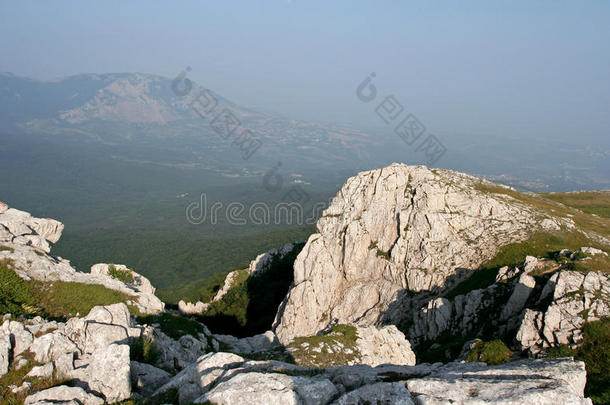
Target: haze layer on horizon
520, 70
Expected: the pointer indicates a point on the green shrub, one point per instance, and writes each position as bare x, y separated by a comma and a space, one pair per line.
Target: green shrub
15, 293
62, 299
494, 352
595, 352
125, 276
173, 325
561, 351
144, 351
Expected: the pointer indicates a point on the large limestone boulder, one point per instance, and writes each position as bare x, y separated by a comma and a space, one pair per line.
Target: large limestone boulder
384, 393
20, 227
92, 350
103, 326
177, 353
257, 343
107, 372
198, 378
546, 381
21, 338
385, 345
270, 388
574, 299
63, 395
5, 352
396, 229
223, 378
146, 378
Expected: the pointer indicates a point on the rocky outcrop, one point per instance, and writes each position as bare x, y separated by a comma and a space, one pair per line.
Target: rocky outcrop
63, 395
189, 308
538, 312
5, 353
574, 299
385, 345
146, 378
181, 352
395, 230
26, 240
523, 382
257, 343
20, 228
229, 379
147, 301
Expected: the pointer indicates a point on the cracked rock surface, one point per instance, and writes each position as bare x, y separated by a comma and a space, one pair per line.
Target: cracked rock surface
394, 230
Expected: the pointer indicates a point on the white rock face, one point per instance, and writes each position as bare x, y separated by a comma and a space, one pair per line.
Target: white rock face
146, 378
576, 298
21, 228
270, 388
108, 372
63, 395
197, 379
540, 316
257, 343
5, 351
177, 353
593, 251
228, 379
518, 298
385, 345
385, 393
523, 382
190, 308
45, 371
93, 350
394, 229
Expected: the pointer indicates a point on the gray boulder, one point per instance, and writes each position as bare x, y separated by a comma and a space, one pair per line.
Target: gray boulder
270, 388
523, 382
146, 378
63, 395
5, 352
107, 371
379, 393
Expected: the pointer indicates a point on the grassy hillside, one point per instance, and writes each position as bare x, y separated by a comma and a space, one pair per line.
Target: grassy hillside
591, 202
56, 300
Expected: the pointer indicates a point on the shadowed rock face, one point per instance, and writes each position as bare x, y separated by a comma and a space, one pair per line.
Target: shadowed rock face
395, 229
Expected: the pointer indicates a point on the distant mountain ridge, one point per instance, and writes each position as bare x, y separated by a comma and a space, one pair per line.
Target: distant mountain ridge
143, 110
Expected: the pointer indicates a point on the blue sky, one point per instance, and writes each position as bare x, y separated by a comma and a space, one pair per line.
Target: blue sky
505, 68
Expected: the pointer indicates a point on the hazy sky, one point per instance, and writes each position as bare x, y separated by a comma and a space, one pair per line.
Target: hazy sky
507, 68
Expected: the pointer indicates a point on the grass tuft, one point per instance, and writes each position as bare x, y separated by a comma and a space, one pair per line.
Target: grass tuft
492, 353
124, 276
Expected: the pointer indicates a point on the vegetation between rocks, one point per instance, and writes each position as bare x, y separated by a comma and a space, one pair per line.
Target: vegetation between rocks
335, 347
125, 276
493, 353
55, 300
595, 352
